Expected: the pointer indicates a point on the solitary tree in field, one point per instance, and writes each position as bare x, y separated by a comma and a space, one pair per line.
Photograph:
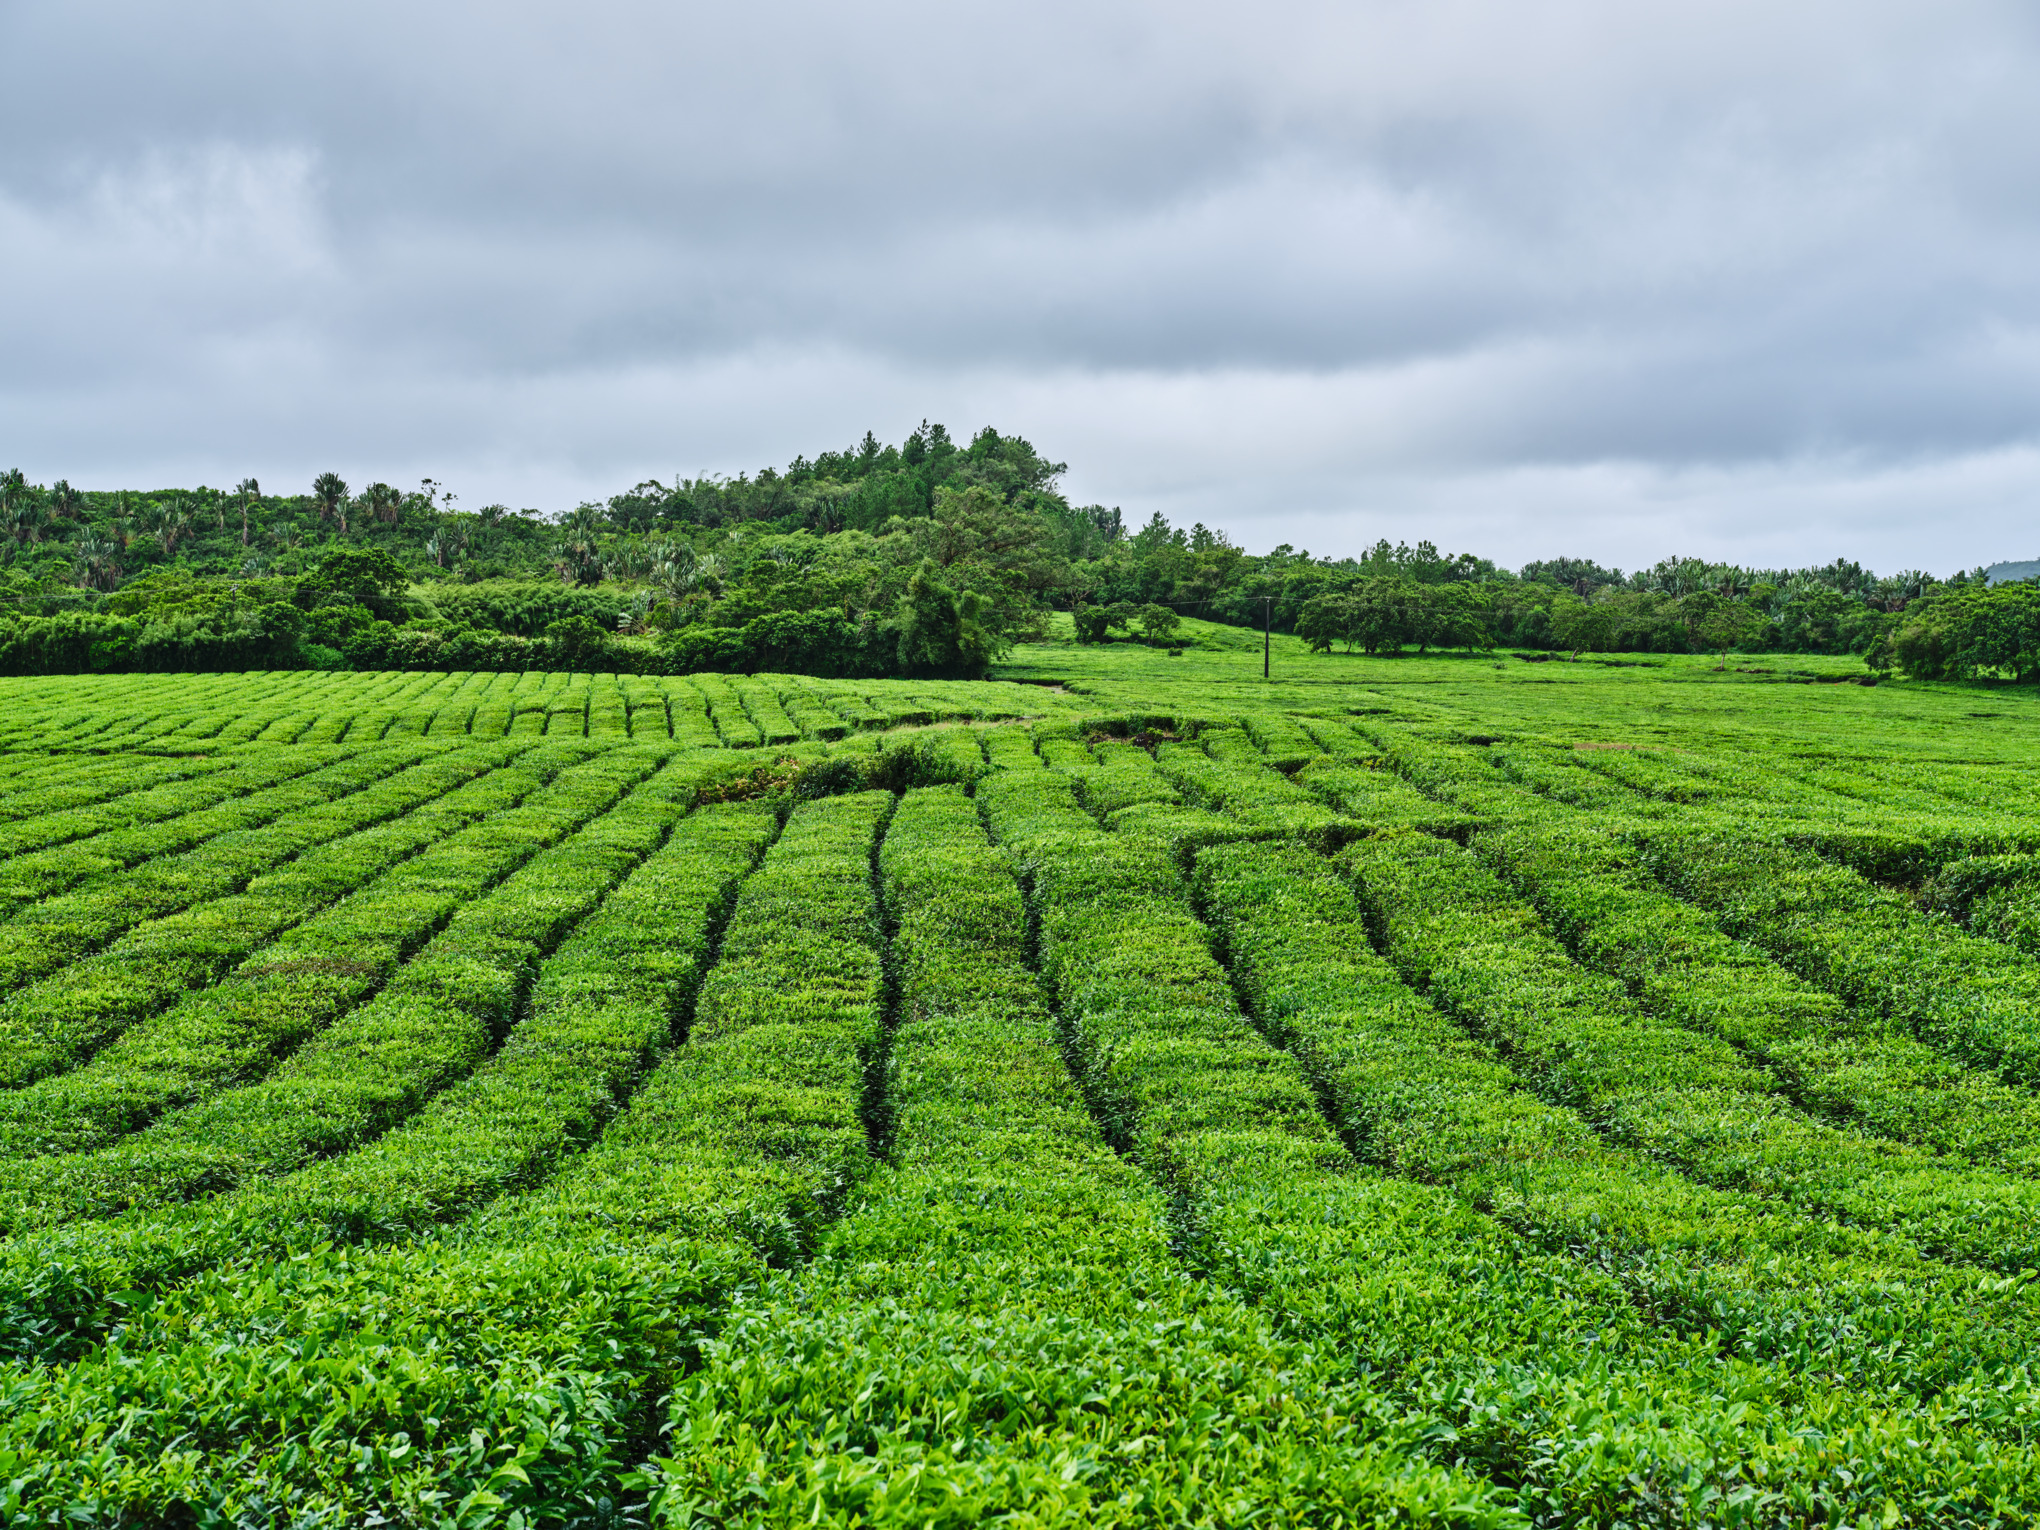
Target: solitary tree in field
1728, 625
1157, 623
1579, 626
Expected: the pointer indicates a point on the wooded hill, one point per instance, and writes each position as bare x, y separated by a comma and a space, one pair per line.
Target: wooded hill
928, 558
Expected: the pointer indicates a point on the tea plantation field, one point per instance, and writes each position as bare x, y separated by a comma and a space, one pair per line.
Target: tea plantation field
1451, 1091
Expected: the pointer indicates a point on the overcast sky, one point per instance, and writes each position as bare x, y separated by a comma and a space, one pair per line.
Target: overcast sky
1526, 278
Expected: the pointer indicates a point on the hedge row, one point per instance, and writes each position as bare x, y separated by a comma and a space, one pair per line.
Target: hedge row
726, 711
997, 1328
63, 1012
1853, 819
691, 723
288, 821
949, 754
608, 713
1349, 777
59, 1287
533, 1344
65, 784
1233, 786
1844, 1064
1866, 1206
761, 704
1995, 896
1639, 1332
31, 769
602, 1007
1560, 775
1110, 774
1826, 923
1972, 998
1284, 741
1491, 1344
162, 789
566, 712
1009, 748
1225, 772
755, 1128
1259, 1189
808, 712
852, 706
432, 866
1459, 773
166, 825
644, 708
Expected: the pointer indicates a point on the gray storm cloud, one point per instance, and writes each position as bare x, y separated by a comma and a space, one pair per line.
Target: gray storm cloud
1524, 278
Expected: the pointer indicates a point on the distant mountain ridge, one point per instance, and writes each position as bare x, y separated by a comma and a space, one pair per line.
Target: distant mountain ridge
2005, 573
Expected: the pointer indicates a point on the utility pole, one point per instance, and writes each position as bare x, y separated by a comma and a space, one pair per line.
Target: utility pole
1267, 630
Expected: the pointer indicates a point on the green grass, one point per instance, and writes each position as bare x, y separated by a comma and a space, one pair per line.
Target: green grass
1433, 1090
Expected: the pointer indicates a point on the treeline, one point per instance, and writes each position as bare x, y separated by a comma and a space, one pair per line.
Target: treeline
92, 540
1966, 633
938, 598
926, 558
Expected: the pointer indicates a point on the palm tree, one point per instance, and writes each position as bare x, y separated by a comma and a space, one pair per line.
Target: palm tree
21, 507
170, 522
630, 621
631, 560
1901, 589
674, 573
65, 500
382, 502
98, 561
249, 491
26, 517
435, 549
580, 559
1677, 576
1733, 583
329, 494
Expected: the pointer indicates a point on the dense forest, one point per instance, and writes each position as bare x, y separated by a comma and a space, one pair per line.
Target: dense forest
929, 558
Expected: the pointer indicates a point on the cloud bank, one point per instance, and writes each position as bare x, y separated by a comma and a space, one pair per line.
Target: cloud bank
1554, 276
